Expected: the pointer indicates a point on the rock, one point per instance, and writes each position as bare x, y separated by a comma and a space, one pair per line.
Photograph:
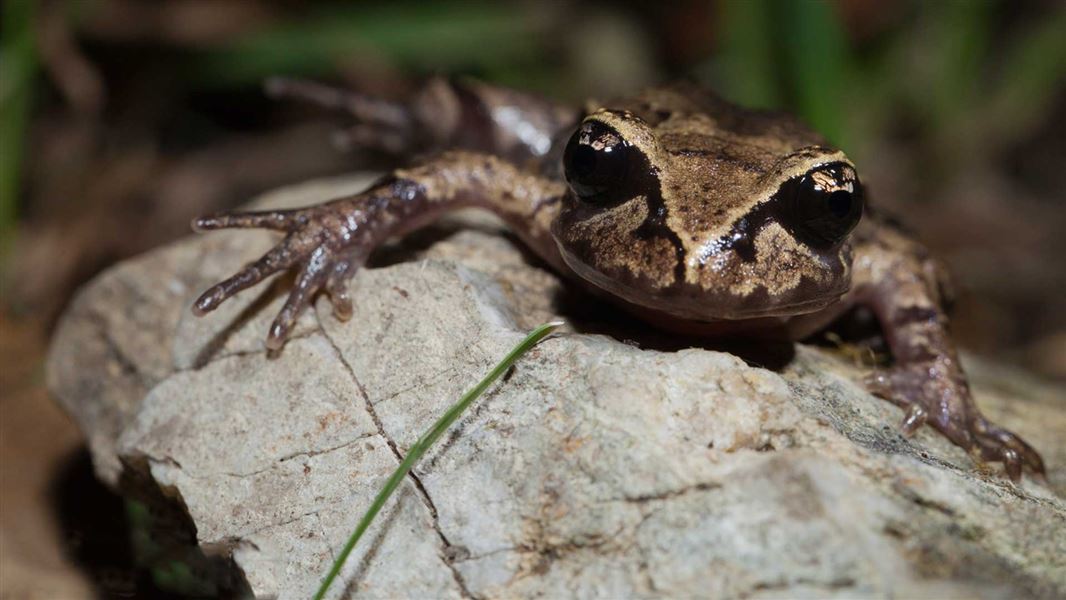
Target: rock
598, 468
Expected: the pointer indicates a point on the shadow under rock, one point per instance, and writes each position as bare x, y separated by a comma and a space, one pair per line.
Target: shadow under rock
96, 533
134, 547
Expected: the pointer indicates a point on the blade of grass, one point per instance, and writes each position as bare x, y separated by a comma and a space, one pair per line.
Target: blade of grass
425, 442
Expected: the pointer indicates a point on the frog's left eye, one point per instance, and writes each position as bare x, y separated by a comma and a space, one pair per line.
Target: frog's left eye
596, 162
824, 205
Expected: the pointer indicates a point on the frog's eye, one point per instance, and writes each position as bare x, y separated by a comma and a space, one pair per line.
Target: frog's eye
824, 205
596, 161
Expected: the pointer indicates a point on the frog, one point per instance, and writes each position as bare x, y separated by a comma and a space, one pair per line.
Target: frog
693, 214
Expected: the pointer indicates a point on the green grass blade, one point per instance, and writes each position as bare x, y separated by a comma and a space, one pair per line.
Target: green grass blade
425, 442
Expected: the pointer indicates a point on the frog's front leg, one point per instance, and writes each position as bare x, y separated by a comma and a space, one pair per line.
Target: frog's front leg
894, 276
327, 243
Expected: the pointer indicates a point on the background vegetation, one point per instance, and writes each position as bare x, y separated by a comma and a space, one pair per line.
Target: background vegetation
122, 119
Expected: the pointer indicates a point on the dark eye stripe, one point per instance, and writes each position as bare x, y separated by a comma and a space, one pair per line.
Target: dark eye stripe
741, 237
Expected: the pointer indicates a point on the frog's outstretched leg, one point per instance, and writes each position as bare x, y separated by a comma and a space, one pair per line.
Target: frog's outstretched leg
895, 277
442, 114
380, 124
329, 242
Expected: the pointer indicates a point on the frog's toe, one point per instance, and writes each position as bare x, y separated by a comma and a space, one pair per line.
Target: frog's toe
998, 443
905, 391
381, 137
367, 109
880, 384
913, 418
276, 260
337, 288
277, 220
310, 280
994, 452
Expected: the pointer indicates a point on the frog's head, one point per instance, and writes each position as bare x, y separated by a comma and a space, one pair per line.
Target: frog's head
683, 203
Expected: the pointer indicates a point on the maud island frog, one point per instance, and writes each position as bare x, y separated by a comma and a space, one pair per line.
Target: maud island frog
695, 215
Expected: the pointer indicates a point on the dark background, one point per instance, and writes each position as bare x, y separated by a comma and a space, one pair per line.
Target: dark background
122, 119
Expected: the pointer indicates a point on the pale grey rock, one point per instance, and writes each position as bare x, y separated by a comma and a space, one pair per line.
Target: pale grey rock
598, 469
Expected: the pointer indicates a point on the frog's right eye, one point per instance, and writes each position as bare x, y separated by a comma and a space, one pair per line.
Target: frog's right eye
596, 162
824, 205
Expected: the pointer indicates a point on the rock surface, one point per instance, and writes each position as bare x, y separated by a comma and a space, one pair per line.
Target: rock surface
598, 469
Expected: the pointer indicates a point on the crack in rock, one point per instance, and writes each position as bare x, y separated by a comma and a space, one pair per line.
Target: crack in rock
668, 495
422, 492
303, 454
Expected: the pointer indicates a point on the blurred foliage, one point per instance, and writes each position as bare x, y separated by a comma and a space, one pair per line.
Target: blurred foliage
491, 40
781, 53
939, 67
129, 115
1033, 70
938, 63
18, 66
150, 110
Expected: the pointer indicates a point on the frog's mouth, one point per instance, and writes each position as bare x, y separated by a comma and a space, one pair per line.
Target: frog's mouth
787, 310
709, 309
693, 303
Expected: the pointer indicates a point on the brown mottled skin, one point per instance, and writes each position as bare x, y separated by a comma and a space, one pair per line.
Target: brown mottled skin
692, 213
